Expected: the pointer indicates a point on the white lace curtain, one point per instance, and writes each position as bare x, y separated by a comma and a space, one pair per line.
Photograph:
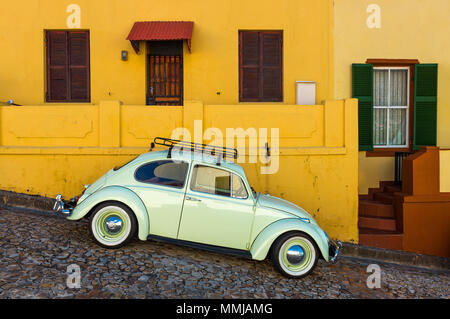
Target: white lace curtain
390, 107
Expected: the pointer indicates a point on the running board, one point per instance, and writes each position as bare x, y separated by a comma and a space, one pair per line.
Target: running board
211, 248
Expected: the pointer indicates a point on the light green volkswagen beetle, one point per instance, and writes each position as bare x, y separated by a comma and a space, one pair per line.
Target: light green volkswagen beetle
203, 201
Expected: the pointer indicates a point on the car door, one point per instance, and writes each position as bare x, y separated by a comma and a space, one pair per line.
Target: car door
217, 209
161, 186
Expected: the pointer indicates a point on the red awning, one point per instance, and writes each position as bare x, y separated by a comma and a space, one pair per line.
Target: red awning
160, 30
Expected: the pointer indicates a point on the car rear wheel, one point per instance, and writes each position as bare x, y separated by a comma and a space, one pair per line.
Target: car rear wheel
112, 225
295, 254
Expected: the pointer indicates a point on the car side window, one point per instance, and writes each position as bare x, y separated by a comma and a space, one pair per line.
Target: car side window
217, 181
163, 172
238, 189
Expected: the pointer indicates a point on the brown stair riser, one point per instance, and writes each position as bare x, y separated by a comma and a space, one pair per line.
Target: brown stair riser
384, 198
387, 241
391, 189
377, 223
368, 209
373, 191
364, 197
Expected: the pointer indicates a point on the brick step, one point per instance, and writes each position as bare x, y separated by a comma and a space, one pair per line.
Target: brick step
381, 239
377, 223
371, 208
385, 198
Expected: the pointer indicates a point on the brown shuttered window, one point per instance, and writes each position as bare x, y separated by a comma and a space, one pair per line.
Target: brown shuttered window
68, 66
260, 66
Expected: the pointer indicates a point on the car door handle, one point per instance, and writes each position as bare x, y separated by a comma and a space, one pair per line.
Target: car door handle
193, 199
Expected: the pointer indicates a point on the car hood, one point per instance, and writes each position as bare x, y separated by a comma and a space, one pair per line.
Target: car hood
266, 200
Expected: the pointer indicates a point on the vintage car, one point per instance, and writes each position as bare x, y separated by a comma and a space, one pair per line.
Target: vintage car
185, 196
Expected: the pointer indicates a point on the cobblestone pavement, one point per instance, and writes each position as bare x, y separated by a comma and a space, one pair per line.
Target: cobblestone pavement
36, 249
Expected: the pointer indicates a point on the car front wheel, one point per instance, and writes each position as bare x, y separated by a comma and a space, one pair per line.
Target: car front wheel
112, 225
295, 254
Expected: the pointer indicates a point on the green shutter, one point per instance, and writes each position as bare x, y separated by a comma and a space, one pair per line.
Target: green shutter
425, 105
362, 88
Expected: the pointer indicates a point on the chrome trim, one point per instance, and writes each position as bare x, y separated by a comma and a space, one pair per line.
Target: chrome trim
113, 224
193, 199
334, 248
295, 255
60, 206
305, 220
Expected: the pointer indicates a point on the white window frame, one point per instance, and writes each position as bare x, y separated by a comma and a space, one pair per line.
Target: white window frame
388, 107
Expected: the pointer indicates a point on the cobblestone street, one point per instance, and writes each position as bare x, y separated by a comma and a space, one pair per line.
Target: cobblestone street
36, 249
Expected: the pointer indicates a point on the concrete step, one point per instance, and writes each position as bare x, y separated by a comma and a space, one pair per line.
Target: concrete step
371, 208
377, 223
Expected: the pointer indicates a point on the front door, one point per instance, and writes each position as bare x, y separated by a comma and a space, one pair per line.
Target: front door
165, 73
217, 210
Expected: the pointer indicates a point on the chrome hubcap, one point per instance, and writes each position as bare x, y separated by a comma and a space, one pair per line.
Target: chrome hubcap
295, 254
113, 225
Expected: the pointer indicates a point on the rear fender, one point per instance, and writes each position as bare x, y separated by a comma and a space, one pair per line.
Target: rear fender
119, 194
261, 245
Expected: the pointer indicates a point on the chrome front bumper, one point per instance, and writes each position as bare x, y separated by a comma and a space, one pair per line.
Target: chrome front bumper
334, 248
62, 206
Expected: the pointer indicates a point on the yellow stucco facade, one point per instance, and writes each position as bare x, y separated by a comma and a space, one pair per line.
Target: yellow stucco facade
210, 67
48, 153
400, 29
50, 148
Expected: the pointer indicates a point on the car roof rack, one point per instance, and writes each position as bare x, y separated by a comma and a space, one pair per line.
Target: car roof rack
220, 152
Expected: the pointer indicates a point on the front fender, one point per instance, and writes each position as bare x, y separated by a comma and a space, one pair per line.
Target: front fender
261, 245
120, 194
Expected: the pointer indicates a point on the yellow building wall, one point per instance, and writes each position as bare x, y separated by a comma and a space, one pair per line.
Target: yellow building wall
444, 170
372, 170
211, 67
47, 153
409, 29
50, 148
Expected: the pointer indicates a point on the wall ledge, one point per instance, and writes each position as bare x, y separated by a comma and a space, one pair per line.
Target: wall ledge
70, 150
441, 197
63, 150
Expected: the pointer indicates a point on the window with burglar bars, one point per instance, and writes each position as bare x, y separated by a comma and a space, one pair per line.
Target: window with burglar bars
165, 73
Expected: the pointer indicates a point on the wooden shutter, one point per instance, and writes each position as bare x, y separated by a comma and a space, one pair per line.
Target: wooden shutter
271, 69
425, 105
68, 67
249, 53
260, 66
57, 70
362, 87
79, 84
